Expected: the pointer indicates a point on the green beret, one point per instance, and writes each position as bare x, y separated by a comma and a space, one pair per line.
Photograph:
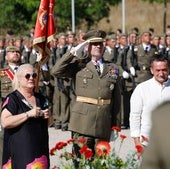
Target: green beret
12, 49
111, 36
123, 35
61, 34
95, 36
70, 33
146, 32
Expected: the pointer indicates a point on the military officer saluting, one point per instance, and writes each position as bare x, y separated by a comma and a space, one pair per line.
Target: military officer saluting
97, 91
13, 59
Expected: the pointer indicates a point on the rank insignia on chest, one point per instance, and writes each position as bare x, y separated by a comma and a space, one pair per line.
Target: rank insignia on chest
2, 73
113, 73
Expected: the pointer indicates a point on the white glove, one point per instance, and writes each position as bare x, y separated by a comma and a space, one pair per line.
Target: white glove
132, 71
39, 57
125, 75
78, 49
46, 82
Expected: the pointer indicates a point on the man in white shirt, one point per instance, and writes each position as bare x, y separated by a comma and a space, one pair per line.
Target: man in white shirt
147, 96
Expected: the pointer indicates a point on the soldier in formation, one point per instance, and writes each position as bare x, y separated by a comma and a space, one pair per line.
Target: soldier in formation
129, 52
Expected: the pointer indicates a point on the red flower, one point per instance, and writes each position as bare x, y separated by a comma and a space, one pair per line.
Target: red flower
88, 153
103, 148
82, 140
52, 151
118, 129
54, 167
122, 136
83, 149
139, 148
60, 145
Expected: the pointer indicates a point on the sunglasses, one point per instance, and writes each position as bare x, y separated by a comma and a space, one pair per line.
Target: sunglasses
97, 43
28, 75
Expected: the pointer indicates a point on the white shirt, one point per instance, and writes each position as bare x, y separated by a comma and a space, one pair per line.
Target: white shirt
14, 68
145, 98
146, 47
100, 63
109, 49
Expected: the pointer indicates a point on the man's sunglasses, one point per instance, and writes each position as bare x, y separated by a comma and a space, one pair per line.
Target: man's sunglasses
96, 43
34, 75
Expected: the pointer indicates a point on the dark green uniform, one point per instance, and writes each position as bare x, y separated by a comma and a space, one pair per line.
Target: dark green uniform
2, 57
2, 51
141, 62
6, 76
97, 102
61, 97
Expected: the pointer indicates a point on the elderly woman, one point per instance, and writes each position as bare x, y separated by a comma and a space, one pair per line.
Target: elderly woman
24, 118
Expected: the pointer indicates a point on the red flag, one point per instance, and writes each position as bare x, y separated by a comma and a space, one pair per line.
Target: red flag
44, 29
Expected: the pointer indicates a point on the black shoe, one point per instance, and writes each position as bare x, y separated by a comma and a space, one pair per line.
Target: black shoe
57, 126
65, 128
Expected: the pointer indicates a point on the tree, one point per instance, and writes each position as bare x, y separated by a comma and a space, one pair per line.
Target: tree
85, 13
17, 15
20, 15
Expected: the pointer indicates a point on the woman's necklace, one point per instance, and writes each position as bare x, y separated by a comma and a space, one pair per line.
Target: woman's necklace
29, 101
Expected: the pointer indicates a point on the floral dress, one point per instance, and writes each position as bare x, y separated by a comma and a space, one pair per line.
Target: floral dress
25, 146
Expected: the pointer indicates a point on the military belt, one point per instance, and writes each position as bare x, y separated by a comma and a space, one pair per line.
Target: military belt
92, 100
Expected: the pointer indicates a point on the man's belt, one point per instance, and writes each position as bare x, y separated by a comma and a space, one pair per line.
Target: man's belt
92, 100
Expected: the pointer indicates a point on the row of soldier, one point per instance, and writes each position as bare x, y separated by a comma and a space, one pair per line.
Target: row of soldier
131, 53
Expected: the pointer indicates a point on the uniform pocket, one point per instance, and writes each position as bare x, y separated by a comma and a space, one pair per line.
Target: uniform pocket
83, 79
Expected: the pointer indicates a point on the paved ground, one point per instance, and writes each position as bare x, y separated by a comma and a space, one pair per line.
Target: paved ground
58, 135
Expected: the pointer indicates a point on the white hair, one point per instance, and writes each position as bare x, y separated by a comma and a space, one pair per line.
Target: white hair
19, 72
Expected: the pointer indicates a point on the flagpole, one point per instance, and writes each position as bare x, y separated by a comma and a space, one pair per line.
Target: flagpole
73, 15
123, 16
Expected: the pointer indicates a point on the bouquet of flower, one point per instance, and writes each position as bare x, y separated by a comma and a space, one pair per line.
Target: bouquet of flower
106, 155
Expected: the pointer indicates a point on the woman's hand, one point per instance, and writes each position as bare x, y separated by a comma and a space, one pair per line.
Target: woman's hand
45, 113
37, 112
